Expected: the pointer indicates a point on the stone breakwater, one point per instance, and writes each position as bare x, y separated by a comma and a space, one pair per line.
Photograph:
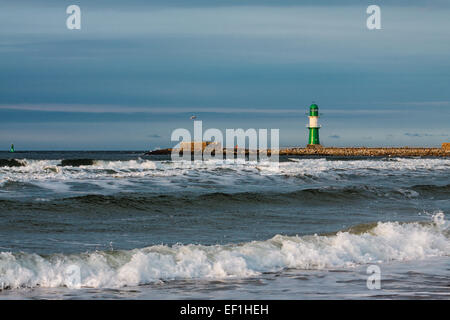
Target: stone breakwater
368, 152
346, 152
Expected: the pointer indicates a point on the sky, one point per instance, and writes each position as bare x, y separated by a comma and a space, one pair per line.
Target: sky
139, 69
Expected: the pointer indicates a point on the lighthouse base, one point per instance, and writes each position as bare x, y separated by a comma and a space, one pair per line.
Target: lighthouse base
314, 146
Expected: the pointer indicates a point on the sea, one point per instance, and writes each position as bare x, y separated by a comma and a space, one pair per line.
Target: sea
124, 225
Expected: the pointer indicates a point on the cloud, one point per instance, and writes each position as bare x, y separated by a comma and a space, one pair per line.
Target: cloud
421, 135
151, 64
424, 103
159, 109
222, 3
416, 135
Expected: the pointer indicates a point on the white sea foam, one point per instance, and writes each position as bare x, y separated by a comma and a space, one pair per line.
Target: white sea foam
112, 174
387, 241
48, 173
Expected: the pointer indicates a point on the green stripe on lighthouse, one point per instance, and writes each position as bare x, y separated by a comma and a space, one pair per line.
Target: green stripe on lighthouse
314, 136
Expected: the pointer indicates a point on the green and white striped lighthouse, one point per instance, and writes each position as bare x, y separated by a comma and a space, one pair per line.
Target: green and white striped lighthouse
313, 126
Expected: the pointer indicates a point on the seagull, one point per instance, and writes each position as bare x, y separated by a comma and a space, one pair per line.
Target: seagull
193, 117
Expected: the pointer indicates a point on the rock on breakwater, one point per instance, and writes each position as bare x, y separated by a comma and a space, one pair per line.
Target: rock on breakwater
348, 152
368, 152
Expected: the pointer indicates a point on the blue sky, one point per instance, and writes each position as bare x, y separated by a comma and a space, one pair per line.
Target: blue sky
139, 69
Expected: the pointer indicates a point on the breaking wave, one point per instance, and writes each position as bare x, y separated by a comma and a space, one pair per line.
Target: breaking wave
370, 243
290, 166
45, 173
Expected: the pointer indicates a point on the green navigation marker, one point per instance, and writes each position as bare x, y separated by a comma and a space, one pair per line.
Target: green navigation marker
313, 125
12, 148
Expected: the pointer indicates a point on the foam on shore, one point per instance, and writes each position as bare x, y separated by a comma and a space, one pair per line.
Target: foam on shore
378, 243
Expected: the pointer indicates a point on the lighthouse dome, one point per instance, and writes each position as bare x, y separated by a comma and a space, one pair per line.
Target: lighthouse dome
314, 110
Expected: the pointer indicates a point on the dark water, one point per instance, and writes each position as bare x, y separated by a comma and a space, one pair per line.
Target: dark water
146, 227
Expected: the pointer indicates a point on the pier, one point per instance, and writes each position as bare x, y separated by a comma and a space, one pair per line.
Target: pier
444, 151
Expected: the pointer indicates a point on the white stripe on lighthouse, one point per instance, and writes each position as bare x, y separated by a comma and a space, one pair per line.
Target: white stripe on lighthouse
313, 122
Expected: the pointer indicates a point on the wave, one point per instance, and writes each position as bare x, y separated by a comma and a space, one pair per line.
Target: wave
148, 201
376, 243
40, 165
67, 171
216, 198
293, 165
134, 175
10, 185
432, 189
12, 163
77, 162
